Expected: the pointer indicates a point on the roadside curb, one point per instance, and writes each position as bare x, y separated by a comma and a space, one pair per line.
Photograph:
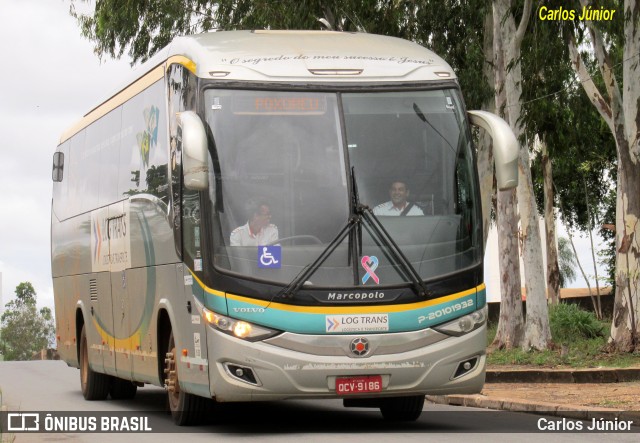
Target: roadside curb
567, 376
601, 375
535, 407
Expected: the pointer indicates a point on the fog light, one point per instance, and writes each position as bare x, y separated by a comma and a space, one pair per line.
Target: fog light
242, 373
465, 367
466, 324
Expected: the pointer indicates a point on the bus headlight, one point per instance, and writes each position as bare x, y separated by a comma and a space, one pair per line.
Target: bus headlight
464, 324
237, 328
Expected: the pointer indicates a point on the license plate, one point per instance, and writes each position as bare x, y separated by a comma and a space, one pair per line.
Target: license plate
358, 385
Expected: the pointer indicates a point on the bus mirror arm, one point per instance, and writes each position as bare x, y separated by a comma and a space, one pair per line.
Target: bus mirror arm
505, 147
195, 167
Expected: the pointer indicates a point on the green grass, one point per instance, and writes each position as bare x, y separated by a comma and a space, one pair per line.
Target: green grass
612, 403
579, 341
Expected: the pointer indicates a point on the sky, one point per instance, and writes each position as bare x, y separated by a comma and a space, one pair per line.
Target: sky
50, 79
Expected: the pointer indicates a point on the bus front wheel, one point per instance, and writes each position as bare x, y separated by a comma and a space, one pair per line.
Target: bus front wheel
186, 409
95, 386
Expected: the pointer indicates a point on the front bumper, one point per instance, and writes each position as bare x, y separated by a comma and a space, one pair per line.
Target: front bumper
306, 366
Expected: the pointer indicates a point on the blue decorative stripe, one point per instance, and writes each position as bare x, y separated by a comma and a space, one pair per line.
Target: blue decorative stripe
482, 296
396, 320
342, 320
213, 302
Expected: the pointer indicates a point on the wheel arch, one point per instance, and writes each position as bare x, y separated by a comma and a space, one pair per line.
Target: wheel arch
79, 325
163, 330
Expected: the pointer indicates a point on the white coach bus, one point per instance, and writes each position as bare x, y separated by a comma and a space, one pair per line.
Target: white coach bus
265, 215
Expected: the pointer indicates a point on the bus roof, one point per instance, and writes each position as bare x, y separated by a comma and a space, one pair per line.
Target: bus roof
284, 56
315, 56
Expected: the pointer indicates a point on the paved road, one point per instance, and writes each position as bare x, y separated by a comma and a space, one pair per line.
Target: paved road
51, 386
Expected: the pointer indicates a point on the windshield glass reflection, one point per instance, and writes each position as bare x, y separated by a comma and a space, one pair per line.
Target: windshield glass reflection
280, 195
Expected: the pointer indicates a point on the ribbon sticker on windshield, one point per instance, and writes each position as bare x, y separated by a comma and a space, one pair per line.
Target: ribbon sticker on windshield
370, 264
270, 257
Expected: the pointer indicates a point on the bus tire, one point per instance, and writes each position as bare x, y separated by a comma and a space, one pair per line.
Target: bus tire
122, 389
402, 408
95, 386
186, 409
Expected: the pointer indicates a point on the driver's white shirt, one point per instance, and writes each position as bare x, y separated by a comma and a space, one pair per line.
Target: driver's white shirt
388, 208
242, 236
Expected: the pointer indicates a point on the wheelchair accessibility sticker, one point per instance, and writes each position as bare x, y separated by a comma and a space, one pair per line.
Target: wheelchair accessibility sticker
270, 257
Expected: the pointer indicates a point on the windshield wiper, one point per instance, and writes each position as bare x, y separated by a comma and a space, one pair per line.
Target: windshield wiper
419, 286
292, 288
354, 222
364, 212
422, 117
362, 216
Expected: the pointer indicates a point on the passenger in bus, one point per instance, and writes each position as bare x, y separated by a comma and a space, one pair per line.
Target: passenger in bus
398, 205
258, 230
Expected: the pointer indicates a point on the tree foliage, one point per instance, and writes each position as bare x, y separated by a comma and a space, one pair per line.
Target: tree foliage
25, 329
142, 28
567, 262
25, 294
559, 112
581, 147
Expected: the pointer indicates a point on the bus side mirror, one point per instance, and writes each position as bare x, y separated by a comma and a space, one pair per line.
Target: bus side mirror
58, 166
195, 168
505, 147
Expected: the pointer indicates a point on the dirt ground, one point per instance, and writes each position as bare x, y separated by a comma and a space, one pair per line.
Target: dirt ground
621, 396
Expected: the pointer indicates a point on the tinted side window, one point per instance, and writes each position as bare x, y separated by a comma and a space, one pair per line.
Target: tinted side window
143, 152
100, 160
75, 175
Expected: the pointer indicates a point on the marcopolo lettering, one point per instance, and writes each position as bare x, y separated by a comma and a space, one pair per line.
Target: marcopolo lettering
339, 296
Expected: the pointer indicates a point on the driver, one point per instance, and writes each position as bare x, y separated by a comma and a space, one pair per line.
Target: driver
398, 205
258, 230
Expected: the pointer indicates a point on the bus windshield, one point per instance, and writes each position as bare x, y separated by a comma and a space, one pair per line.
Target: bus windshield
281, 186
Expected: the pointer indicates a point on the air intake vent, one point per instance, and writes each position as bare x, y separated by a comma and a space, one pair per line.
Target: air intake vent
336, 71
93, 289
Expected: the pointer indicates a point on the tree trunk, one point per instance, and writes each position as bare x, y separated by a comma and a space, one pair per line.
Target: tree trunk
511, 323
538, 333
621, 111
553, 270
624, 329
485, 145
510, 333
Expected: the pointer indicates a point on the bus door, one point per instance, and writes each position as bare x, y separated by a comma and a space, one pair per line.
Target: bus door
118, 240
100, 336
